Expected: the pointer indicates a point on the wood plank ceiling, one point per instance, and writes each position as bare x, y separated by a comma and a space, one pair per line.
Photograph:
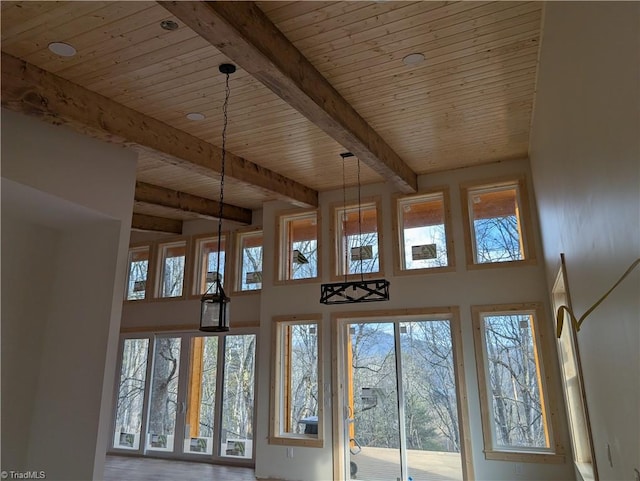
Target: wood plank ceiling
315, 79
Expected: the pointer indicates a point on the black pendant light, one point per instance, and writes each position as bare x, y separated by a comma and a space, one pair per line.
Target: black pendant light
353, 292
214, 304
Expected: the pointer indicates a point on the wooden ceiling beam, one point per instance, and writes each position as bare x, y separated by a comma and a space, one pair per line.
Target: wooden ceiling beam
242, 32
152, 223
36, 92
181, 202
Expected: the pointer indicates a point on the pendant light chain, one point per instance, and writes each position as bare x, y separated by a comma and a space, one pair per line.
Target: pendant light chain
344, 222
225, 107
360, 221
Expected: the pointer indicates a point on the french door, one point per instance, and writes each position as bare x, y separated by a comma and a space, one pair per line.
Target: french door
399, 398
187, 396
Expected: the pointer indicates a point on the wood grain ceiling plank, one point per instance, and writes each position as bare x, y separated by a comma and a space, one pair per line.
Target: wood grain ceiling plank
455, 72
442, 54
328, 16
30, 90
144, 46
479, 92
149, 223
428, 42
370, 78
286, 10
182, 201
74, 29
168, 68
440, 31
27, 18
376, 26
237, 28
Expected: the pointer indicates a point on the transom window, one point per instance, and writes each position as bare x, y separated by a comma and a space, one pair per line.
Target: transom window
513, 397
250, 260
357, 241
298, 246
138, 273
172, 265
206, 250
496, 230
296, 397
422, 231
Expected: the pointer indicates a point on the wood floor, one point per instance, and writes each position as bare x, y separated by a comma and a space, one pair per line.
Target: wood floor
126, 468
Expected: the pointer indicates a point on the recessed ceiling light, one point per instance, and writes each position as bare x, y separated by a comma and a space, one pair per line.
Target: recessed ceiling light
169, 25
62, 49
195, 116
413, 59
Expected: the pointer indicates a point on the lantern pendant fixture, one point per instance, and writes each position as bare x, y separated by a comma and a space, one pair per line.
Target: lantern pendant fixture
362, 290
214, 304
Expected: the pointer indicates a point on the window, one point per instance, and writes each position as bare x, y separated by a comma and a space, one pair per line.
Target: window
571, 369
250, 260
296, 397
422, 232
514, 402
298, 246
357, 244
206, 250
138, 273
186, 394
172, 257
496, 231
131, 389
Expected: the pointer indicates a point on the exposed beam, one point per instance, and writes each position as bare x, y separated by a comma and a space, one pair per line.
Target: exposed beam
245, 35
33, 91
156, 224
181, 202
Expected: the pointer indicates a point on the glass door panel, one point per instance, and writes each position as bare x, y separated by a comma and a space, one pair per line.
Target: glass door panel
130, 402
401, 402
201, 395
430, 401
237, 396
372, 403
163, 403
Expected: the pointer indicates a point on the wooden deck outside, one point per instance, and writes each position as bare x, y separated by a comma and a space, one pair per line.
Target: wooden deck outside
382, 464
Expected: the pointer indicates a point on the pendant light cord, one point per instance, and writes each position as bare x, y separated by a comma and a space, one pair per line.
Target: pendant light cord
360, 222
344, 222
225, 107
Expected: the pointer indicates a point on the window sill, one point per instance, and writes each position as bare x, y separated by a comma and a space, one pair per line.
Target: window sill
525, 457
297, 440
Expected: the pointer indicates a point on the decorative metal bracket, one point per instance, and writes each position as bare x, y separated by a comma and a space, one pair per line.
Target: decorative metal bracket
355, 291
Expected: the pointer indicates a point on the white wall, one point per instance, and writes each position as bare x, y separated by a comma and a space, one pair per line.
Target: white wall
461, 288
83, 189
32, 247
585, 156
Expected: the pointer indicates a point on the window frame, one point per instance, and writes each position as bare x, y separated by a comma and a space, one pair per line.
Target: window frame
560, 295
555, 452
237, 250
159, 267
398, 232
280, 277
276, 434
338, 241
195, 278
149, 291
525, 223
